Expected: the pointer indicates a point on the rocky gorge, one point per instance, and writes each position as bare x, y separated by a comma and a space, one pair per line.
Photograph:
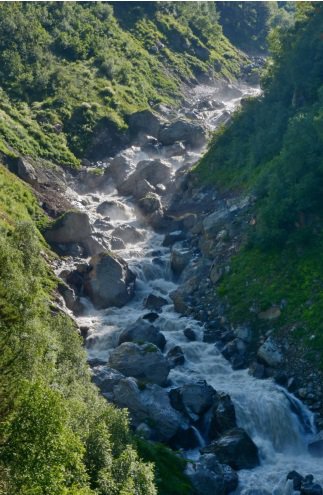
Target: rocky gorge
142, 250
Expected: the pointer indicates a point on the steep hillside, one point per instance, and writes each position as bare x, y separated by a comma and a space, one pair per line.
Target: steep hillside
273, 150
70, 73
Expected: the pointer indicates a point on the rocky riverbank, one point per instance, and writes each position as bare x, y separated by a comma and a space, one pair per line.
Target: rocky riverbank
145, 244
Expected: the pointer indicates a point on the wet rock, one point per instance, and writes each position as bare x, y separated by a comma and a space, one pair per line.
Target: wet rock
176, 149
176, 356
309, 487
116, 243
236, 449
297, 479
180, 258
119, 169
142, 331
109, 281
185, 438
114, 209
154, 302
207, 477
270, 353
150, 203
179, 300
173, 237
190, 334
150, 405
71, 227
106, 378
315, 447
151, 317
148, 174
144, 362
244, 333
190, 133
257, 370
129, 234
92, 246
221, 417
193, 398
231, 479
103, 224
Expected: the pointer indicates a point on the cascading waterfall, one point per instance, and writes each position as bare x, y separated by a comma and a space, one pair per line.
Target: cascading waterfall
279, 424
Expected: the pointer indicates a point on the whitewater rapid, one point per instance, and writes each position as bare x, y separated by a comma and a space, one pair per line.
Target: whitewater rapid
279, 424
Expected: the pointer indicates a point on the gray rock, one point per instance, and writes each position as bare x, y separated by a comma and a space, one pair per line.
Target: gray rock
236, 449
150, 203
269, 353
221, 417
173, 237
180, 258
119, 169
71, 227
144, 122
26, 171
214, 222
151, 405
142, 331
144, 362
109, 281
154, 302
190, 334
116, 243
205, 481
193, 398
106, 378
114, 209
128, 233
190, 133
176, 356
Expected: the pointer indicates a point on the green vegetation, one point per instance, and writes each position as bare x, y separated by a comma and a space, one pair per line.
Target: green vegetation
274, 150
57, 435
169, 468
248, 24
73, 71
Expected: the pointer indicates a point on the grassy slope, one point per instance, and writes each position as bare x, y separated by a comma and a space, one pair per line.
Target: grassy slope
62, 84
273, 148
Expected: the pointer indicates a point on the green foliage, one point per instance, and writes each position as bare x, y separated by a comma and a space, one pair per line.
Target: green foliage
169, 468
69, 70
57, 435
248, 24
274, 150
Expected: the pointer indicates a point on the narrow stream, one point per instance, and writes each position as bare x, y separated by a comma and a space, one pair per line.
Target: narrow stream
279, 424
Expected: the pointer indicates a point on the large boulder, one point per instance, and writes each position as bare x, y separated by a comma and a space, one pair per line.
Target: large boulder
236, 449
209, 477
150, 203
148, 174
189, 133
119, 168
144, 362
154, 302
151, 405
71, 227
193, 399
26, 171
213, 223
106, 378
144, 122
109, 281
128, 233
113, 209
142, 331
221, 417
